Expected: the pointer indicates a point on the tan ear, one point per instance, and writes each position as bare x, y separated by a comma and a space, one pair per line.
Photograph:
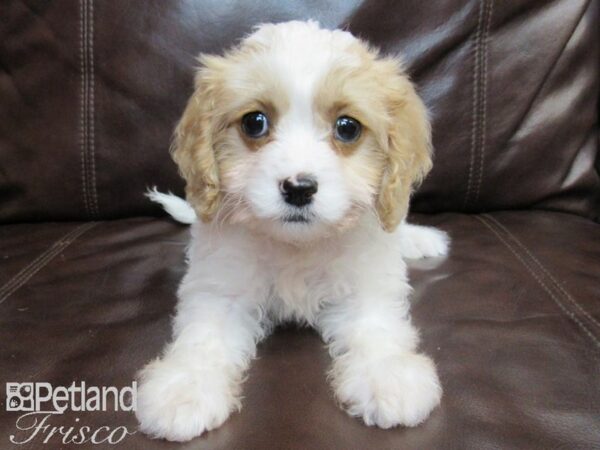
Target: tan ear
408, 149
193, 147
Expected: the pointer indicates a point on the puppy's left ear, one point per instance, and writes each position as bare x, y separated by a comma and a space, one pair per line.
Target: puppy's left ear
408, 146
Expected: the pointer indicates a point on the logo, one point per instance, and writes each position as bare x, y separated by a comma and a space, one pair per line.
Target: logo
40, 403
19, 396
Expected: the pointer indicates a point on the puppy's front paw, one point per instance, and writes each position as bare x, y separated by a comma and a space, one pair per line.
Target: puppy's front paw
178, 403
423, 242
398, 390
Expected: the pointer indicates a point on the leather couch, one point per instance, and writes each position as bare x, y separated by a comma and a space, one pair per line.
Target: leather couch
89, 95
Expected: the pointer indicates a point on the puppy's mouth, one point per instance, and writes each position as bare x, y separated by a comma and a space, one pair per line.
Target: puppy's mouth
297, 218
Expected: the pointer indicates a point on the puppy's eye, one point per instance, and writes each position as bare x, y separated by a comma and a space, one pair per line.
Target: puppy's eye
255, 124
347, 129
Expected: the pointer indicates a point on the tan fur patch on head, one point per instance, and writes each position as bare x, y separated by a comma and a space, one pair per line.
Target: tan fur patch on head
377, 92
213, 108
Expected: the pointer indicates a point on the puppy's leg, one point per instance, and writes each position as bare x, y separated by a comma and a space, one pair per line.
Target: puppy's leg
377, 373
418, 241
197, 382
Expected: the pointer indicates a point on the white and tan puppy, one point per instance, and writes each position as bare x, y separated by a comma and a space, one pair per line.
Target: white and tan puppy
300, 148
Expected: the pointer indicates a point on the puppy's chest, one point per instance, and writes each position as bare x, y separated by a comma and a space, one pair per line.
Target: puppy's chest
299, 290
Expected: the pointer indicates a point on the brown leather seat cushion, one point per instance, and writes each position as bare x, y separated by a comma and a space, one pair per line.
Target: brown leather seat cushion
512, 322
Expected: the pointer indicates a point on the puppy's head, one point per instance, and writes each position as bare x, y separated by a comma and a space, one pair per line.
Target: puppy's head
299, 131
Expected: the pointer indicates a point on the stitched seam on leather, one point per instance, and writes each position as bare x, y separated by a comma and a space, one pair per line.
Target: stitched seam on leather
475, 97
521, 120
540, 281
42, 260
92, 111
83, 105
483, 94
545, 271
88, 146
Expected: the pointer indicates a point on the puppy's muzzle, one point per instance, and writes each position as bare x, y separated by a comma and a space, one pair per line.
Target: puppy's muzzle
299, 190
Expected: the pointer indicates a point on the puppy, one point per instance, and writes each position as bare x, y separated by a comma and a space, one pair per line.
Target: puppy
300, 148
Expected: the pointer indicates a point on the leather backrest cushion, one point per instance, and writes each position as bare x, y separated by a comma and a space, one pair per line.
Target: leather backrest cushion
90, 92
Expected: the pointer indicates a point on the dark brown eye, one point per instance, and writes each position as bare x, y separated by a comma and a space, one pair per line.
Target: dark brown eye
347, 129
255, 124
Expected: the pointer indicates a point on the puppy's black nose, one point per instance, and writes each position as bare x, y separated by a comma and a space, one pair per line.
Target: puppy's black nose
299, 191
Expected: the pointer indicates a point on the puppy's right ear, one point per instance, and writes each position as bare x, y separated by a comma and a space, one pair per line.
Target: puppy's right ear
193, 147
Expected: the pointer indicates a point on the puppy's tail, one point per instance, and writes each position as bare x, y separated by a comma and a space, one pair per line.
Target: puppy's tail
178, 208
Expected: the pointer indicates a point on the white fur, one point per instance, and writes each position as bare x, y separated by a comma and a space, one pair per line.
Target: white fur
423, 242
252, 271
177, 207
353, 289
